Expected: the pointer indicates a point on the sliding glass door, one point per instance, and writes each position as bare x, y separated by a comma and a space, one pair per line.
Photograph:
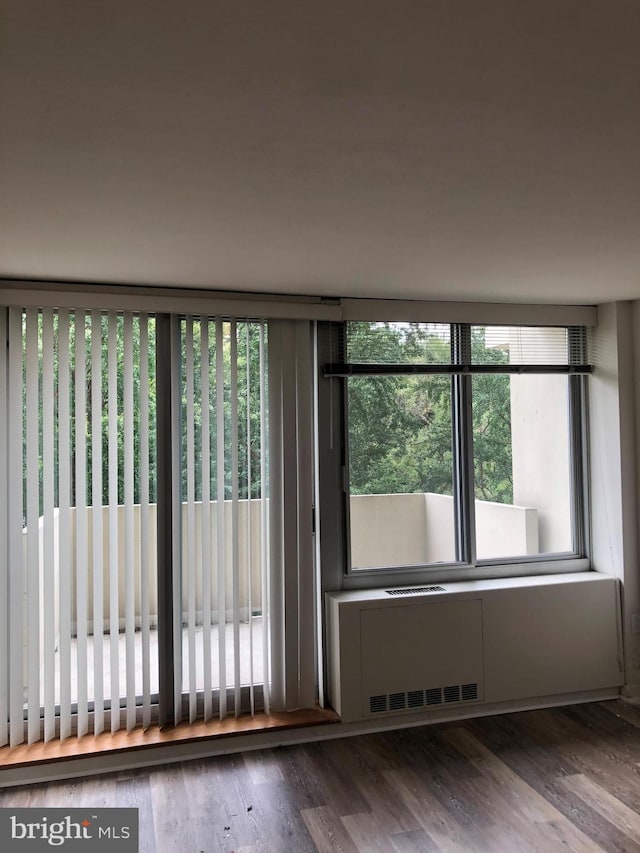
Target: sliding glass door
156, 531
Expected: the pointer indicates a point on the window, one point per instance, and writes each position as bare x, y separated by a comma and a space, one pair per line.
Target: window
462, 444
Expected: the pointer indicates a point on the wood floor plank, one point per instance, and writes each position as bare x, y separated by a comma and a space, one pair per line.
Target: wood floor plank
607, 766
172, 822
394, 815
368, 833
336, 784
220, 794
416, 841
262, 766
328, 832
606, 804
557, 835
436, 819
297, 772
519, 795
364, 768
623, 710
446, 773
133, 790
278, 817
509, 827
579, 817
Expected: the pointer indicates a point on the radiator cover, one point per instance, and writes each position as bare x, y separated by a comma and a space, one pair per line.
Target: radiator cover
471, 643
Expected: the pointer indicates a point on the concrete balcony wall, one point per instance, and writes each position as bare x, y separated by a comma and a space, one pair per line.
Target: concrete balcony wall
387, 530
249, 555
411, 529
505, 530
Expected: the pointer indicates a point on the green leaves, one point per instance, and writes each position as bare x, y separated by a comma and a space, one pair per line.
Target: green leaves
400, 427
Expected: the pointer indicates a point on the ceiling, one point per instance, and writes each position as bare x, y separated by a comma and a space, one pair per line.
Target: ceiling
433, 149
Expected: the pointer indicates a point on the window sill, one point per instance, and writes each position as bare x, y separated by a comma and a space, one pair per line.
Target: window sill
106, 743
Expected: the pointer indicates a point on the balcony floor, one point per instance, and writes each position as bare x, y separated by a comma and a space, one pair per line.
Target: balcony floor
250, 644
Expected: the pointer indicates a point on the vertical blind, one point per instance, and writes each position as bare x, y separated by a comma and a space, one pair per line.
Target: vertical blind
78, 471
224, 594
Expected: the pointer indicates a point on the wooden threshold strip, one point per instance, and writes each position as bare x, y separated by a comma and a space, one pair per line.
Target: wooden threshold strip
123, 741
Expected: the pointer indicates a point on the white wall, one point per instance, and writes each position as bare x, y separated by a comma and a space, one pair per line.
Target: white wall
540, 447
613, 438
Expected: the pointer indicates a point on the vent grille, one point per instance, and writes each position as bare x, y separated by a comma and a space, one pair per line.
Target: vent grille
469, 691
414, 699
397, 701
452, 694
416, 590
434, 695
377, 704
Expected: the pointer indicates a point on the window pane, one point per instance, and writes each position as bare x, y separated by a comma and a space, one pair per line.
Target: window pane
521, 465
400, 471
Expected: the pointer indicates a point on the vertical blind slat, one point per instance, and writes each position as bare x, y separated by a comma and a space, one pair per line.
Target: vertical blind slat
248, 528
129, 544
4, 531
220, 509
114, 605
290, 498
206, 515
64, 524
305, 562
97, 570
48, 492
190, 576
276, 519
143, 402
264, 526
81, 539
177, 521
32, 413
15, 504
235, 532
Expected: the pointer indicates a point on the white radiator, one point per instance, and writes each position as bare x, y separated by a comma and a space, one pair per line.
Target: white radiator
410, 650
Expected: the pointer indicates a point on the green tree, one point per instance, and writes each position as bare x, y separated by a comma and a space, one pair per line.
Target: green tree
400, 427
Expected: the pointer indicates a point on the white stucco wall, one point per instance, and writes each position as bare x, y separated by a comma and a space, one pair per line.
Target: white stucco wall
540, 452
540, 436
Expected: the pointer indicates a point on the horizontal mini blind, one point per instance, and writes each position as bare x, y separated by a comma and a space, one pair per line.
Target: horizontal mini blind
387, 349
77, 532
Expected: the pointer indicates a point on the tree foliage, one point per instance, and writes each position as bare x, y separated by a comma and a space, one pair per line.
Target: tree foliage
400, 427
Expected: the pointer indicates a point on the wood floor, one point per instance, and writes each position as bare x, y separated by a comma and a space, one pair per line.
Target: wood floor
551, 780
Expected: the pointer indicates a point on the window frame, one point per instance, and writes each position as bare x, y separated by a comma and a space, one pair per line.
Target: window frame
333, 487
